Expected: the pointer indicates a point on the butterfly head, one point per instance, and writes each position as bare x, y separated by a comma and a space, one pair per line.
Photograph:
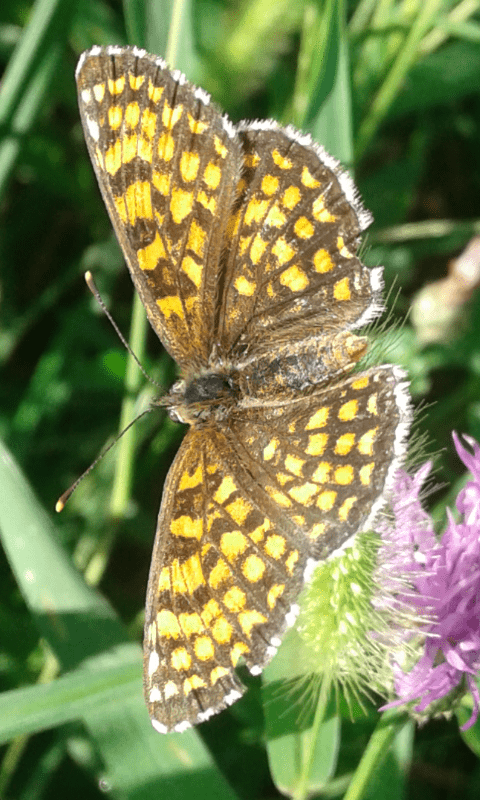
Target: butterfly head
199, 398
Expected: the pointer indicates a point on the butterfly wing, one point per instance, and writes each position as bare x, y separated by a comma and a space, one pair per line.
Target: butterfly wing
167, 163
327, 457
242, 243
244, 509
223, 578
292, 269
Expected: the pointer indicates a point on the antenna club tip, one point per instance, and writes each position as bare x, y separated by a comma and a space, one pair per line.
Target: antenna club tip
59, 506
88, 276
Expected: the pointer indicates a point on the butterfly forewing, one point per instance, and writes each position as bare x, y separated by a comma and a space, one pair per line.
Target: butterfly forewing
292, 266
168, 166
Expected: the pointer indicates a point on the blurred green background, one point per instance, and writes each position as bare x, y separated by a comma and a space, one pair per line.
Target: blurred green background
393, 90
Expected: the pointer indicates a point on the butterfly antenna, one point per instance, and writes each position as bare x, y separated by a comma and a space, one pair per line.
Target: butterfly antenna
91, 285
60, 504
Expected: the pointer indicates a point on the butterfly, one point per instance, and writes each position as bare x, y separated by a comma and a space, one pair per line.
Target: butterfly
241, 241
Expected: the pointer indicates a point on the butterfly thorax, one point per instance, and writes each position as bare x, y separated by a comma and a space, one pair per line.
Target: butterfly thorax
210, 395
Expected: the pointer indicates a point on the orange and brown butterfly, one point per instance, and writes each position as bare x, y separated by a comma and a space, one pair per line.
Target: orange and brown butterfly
241, 241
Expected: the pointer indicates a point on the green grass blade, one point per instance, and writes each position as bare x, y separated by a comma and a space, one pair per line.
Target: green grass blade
70, 697
27, 55
406, 57
331, 124
75, 620
136, 22
157, 39
29, 75
64, 606
390, 727
322, 98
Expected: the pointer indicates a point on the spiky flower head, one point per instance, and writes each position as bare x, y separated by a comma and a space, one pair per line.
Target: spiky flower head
399, 612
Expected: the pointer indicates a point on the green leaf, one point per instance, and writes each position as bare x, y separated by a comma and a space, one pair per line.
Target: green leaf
322, 101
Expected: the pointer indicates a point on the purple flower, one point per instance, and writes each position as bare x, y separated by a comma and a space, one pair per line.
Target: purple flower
444, 578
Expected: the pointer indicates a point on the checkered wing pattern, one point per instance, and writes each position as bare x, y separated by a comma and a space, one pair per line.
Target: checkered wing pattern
292, 268
223, 576
167, 165
319, 460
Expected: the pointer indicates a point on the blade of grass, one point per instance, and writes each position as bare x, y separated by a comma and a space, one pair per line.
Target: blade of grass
122, 484
27, 53
322, 98
255, 26
426, 229
450, 24
406, 56
136, 22
29, 76
69, 697
29, 105
390, 726
314, 76
75, 620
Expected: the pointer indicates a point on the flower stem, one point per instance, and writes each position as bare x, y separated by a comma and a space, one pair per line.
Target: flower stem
303, 789
388, 727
